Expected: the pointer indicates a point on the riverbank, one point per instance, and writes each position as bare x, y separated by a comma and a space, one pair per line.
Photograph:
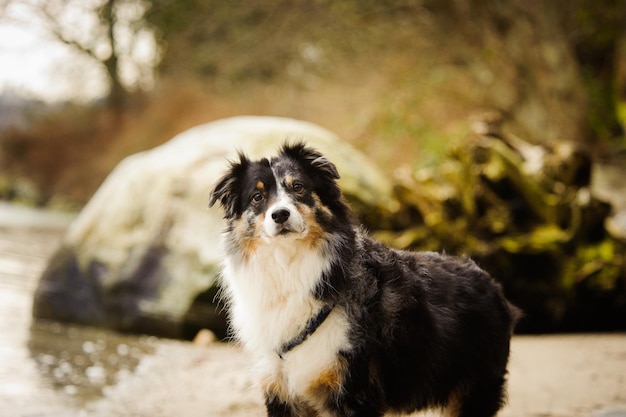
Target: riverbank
51, 369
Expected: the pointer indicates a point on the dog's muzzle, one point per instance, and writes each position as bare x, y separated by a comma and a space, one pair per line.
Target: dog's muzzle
283, 220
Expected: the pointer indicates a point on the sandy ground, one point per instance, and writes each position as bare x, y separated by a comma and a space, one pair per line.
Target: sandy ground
560, 376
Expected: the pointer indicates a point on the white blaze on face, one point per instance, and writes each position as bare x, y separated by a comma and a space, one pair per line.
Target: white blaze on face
282, 216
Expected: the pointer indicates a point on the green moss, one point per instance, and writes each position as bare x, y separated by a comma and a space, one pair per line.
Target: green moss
597, 266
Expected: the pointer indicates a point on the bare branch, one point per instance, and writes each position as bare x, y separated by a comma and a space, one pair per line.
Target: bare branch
105, 31
55, 28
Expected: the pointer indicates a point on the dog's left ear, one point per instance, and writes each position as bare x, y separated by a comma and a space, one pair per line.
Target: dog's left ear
226, 190
310, 156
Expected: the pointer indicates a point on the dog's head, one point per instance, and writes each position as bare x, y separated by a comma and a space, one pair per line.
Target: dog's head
293, 195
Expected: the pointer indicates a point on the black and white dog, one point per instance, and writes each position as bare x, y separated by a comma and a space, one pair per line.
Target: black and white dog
342, 325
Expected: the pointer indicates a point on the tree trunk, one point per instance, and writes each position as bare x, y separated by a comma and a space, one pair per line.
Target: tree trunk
117, 97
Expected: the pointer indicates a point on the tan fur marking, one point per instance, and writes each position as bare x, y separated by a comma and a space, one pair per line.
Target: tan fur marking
260, 186
249, 244
455, 402
315, 236
316, 233
328, 382
288, 180
250, 247
275, 386
320, 206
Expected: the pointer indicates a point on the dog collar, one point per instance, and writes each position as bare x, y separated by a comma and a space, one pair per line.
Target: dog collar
311, 326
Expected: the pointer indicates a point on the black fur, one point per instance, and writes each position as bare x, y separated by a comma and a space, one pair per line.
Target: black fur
426, 329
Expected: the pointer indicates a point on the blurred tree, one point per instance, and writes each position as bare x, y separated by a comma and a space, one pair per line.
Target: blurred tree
232, 41
112, 33
550, 68
554, 64
596, 30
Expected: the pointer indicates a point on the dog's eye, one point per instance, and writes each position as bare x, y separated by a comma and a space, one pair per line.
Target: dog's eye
298, 188
257, 197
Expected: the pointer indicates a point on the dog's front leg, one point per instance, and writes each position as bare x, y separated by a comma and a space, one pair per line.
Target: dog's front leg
277, 408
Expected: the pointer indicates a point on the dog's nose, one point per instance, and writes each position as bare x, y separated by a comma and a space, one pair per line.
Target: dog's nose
280, 215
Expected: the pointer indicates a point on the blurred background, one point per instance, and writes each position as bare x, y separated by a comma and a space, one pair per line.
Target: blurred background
84, 83
506, 118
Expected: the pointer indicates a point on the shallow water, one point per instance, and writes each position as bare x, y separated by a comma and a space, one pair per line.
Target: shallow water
49, 368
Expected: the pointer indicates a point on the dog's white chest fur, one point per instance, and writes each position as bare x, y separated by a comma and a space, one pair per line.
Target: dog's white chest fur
271, 302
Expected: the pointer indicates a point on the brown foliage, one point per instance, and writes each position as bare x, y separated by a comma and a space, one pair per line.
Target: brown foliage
52, 149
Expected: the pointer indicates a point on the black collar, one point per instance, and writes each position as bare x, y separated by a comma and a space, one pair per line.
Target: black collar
311, 326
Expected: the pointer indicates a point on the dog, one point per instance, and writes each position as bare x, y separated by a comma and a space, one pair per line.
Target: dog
340, 324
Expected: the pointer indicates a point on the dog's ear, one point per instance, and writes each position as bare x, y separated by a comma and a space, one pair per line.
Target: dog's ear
228, 189
300, 152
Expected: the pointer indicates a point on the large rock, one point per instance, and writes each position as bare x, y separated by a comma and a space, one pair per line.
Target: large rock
143, 255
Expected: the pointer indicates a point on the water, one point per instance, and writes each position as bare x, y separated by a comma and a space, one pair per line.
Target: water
49, 368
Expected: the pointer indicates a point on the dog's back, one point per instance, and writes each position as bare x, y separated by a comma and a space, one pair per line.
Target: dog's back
437, 331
